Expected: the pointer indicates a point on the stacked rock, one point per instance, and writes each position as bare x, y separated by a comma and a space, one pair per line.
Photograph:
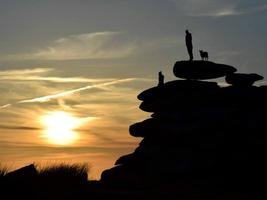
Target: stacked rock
200, 134
238, 79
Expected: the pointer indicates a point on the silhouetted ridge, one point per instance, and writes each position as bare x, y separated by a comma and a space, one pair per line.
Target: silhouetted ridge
59, 181
200, 136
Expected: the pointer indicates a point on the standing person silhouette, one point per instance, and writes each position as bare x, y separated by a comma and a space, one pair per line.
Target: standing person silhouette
161, 79
189, 45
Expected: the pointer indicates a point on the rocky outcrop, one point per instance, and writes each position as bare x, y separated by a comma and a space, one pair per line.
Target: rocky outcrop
200, 135
22, 174
238, 79
201, 70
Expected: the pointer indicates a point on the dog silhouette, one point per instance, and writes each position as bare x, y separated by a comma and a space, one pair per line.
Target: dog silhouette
204, 55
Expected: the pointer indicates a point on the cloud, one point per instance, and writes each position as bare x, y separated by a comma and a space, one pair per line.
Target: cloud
25, 71
19, 127
22, 93
215, 8
99, 45
11, 90
5, 106
37, 74
218, 8
70, 92
53, 79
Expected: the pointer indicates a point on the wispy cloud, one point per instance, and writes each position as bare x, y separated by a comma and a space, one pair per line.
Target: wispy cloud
214, 8
53, 79
67, 92
5, 106
218, 8
70, 92
97, 45
40, 74
25, 71
14, 94
19, 127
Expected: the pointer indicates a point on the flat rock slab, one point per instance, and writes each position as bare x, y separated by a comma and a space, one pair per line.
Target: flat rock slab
176, 87
239, 79
201, 70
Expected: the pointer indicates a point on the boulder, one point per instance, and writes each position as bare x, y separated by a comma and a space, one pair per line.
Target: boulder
24, 174
239, 79
178, 87
154, 126
130, 159
123, 176
201, 70
216, 98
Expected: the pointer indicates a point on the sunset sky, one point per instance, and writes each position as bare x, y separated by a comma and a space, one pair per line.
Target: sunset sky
76, 66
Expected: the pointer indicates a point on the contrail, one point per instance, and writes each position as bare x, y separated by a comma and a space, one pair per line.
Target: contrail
70, 92
5, 106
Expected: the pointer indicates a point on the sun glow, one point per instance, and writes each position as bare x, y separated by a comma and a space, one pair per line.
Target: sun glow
59, 127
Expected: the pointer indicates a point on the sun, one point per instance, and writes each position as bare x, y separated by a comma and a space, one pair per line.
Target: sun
59, 127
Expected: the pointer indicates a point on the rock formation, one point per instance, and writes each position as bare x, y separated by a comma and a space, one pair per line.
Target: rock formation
200, 135
238, 79
23, 174
199, 70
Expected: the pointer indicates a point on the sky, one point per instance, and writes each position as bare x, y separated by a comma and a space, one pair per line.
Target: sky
79, 65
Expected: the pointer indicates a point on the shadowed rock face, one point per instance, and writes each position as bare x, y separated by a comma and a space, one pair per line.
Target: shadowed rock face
201, 70
174, 86
200, 135
238, 79
24, 173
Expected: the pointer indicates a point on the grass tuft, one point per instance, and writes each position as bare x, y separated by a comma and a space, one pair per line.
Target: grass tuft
64, 173
3, 170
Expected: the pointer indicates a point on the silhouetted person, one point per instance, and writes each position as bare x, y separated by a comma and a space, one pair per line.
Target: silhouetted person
161, 79
189, 45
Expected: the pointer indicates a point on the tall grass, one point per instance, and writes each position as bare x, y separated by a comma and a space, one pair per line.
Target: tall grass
64, 173
3, 170
53, 181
